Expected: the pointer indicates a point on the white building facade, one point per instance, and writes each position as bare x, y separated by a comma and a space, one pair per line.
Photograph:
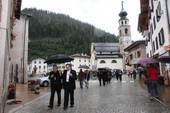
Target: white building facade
106, 55
19, 50
38, 66
80, 60
155, 27
9, 11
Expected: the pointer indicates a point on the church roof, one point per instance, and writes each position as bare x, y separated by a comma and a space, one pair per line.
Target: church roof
106, 47
135, 44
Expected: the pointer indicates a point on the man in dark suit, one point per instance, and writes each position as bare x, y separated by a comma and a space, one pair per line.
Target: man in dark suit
56, 85
69, 85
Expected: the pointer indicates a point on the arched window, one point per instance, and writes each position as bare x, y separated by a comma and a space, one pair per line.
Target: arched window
122, 22
126, 31
114, 61
102, 62
120, 32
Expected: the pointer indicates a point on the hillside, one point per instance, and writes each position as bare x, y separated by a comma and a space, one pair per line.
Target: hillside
52, 33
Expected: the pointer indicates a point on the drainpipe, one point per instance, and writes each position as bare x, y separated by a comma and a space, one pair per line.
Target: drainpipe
168, 19
25, 25
168, 15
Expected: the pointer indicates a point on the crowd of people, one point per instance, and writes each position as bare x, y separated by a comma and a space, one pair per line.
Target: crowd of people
67, 79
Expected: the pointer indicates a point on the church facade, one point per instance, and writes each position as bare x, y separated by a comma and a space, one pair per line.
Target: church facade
106, 55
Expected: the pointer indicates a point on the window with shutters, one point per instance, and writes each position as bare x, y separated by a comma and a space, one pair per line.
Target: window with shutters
161, 37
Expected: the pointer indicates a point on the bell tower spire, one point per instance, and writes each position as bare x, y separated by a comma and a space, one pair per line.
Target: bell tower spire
122, 5
124, 28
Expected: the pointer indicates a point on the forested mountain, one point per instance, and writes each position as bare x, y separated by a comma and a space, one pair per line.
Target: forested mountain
52, 33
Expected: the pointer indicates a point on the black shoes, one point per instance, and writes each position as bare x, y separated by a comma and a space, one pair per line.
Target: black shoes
65, 108
72, 106
50, 107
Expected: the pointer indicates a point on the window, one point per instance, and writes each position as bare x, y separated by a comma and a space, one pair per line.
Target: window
35, 62
44, 67
152, 6
149, 36
126, 31
151, 30
114, 61
138, 54
158, 12
39, 67
147, 55
39, 62
100, 52
150, 53
125, 22
122, 22
131, 56
102, 62
161, 37
154, 22
79, 60
153, 46
156, 43
84, 60
120, 32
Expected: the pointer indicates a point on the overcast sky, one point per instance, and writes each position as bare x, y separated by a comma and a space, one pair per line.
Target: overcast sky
102, 14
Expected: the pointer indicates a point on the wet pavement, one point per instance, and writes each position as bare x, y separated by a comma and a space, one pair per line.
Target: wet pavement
127, 96
25, 95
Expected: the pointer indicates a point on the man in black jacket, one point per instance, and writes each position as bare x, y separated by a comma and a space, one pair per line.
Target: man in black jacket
69, 85
56, 85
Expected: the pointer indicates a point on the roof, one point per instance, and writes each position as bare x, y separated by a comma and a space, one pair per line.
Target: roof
135, 44
106, 47
80, 55
114, 55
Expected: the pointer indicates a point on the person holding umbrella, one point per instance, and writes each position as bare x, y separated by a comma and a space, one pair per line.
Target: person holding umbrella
56, 85
69, 76
152, 74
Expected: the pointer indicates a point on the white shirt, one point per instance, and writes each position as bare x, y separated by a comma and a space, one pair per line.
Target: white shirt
68, 75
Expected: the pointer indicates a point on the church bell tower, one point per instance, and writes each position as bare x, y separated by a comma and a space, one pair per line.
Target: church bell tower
124, 29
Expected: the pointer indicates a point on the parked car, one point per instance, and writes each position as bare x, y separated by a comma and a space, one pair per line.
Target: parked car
44, 81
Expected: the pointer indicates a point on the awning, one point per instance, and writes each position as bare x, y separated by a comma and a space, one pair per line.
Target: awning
164, 59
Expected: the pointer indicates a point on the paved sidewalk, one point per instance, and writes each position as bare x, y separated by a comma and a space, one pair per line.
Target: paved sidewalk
125, 97
164, 92
25, 95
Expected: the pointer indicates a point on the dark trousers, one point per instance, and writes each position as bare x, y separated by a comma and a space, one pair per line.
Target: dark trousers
120, 77
134, 76
81, 84
52, 96
153, 88
100, 81
68, 93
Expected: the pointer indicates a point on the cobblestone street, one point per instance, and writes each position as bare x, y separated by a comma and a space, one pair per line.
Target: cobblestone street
118, 97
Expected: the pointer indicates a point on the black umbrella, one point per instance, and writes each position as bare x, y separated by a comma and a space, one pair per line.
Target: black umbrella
164, 59
59, 58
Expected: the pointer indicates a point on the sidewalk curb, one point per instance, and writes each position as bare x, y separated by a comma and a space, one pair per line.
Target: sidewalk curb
25, 104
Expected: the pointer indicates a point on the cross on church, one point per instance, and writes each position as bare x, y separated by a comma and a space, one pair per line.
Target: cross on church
122, 5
